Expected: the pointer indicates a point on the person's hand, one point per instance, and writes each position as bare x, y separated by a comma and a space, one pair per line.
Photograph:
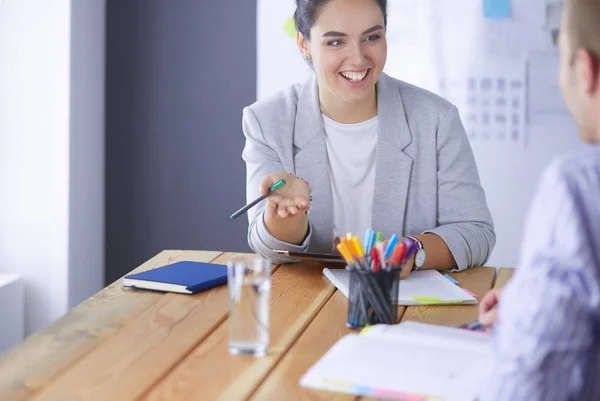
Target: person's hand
488, 308
407, 268
292, 199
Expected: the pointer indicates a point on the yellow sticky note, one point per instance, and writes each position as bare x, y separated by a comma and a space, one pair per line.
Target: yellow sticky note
366, 330
337, 383
289, 27
428, 300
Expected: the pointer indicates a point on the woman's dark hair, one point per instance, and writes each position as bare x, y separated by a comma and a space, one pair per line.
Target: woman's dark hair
307, 12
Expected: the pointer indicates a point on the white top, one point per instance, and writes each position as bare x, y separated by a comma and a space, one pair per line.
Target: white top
351, 151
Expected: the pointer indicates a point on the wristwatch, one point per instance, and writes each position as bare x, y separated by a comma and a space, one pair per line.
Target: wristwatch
420, 255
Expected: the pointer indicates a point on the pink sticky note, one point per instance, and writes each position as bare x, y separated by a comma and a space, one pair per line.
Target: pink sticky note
469, 292
399, 395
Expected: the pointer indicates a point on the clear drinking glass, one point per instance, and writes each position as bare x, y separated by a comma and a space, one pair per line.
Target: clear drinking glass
249, 282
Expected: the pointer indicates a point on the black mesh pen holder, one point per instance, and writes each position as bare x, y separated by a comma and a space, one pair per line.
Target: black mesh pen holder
372, 298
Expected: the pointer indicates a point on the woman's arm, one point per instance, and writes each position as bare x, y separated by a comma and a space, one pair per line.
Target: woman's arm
268, 233
464, 220
438, 254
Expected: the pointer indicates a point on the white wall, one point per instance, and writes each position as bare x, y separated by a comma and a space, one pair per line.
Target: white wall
36, 196
509, 175
34, 152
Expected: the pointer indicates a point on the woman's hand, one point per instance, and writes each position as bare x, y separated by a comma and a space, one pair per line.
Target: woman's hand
488, 308
407, 269
286, 208
291, 199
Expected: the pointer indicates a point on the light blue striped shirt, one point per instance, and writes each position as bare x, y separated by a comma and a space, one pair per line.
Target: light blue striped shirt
546, 342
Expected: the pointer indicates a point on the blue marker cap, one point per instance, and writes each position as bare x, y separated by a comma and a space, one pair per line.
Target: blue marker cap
373, 239
367, 240
390, 246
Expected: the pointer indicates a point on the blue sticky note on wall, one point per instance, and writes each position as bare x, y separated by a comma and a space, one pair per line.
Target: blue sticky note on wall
497, 9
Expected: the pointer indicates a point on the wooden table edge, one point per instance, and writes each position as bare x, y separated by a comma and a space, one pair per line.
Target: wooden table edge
39, 335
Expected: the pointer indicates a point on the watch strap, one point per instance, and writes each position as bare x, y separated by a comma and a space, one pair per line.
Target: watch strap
417, 241
419, 248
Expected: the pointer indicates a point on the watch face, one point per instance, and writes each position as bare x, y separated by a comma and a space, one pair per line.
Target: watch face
420, 258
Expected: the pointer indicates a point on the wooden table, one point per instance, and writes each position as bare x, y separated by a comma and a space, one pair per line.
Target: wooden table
135, 345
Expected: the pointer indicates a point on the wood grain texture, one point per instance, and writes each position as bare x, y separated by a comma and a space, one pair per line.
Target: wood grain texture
152, 343
128, 344
328, 327
211, 373
504, 275
43, 355
478, 280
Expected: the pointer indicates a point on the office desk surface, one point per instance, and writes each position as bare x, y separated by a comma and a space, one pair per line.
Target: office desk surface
136, 345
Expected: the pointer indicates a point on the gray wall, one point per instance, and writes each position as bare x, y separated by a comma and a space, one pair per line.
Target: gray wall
86, 150
178, 75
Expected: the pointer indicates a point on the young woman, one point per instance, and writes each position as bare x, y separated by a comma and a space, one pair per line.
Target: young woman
360, 150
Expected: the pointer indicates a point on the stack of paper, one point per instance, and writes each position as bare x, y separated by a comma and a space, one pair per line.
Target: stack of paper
410, 361
427, 287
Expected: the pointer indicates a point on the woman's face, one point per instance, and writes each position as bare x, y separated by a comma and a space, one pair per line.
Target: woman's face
348, 48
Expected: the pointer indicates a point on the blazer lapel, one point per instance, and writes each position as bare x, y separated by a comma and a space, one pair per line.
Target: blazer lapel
392, 166
311, 163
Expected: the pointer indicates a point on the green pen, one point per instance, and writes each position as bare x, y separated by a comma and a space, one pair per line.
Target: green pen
272, 189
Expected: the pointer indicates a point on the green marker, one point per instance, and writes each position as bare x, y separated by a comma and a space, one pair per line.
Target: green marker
272, 189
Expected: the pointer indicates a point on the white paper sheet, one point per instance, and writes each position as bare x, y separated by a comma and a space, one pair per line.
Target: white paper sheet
426, 283
369, 364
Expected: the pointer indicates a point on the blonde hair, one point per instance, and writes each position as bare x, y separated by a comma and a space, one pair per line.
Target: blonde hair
584, 25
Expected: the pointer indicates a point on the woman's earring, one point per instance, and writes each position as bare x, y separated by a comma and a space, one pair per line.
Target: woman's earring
308, 58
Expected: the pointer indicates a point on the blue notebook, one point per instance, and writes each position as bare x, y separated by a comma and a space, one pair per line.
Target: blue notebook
181, 277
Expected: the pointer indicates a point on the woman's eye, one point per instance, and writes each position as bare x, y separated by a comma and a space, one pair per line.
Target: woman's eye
372, 38
336, 42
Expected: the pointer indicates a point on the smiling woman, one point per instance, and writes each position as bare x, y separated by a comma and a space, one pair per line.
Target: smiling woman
360, 149
345, 43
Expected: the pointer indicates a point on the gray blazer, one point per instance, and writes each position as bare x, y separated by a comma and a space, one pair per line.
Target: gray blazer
426, 179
